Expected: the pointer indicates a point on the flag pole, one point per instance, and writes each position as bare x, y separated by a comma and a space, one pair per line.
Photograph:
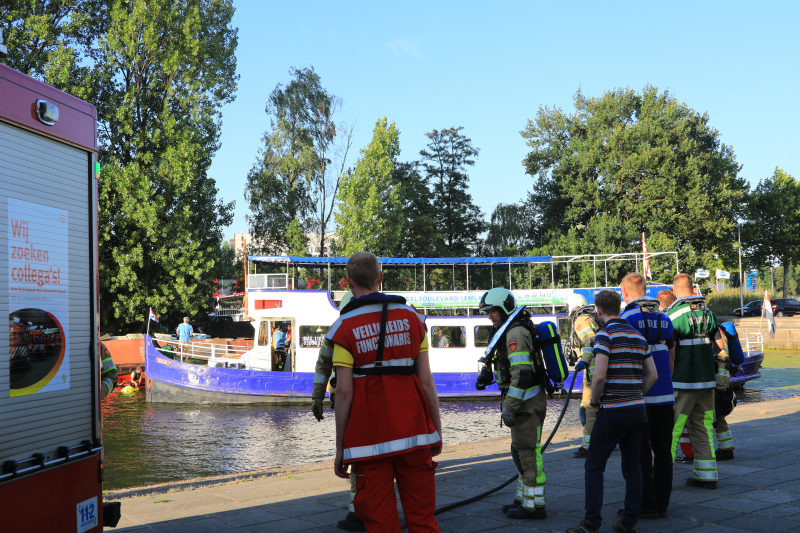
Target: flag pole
148, 322
762, 313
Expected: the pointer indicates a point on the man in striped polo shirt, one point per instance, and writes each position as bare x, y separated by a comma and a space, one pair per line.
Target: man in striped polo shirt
622, 358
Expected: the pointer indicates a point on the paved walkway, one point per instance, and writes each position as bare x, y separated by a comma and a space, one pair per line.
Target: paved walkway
759, 491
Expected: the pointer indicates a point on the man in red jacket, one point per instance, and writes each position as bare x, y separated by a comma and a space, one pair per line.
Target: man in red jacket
387, 410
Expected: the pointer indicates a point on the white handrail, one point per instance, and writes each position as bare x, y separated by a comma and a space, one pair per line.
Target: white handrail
210, 351
751, 341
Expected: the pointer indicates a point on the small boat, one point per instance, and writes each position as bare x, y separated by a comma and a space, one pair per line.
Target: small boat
204, 373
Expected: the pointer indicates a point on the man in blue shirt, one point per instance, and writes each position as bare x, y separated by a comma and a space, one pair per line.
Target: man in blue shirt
184, 333
642, 313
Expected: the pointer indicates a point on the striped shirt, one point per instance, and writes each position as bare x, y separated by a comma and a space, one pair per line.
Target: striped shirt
626, 350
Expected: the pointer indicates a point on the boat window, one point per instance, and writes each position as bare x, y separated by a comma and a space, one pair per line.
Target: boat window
312, 336
448, 337
263, 333
482, 335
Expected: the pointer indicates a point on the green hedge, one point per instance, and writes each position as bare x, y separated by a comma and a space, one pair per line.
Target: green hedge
724, 302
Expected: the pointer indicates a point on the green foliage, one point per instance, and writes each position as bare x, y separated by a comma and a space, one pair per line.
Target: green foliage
775, 207
627, 163
296, 239
296, 175
158, 73
724, 302
445, 160
420, 236
370, 216
166, 69
511, 230
49, 40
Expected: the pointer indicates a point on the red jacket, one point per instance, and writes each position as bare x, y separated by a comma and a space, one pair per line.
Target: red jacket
389, 414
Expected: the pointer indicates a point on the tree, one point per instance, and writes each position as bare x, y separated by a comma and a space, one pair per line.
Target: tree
511, 230
445, 161
299, 169
158, 73
165, 70
370, 214
646, 162
420, 235
775, 207
50, 40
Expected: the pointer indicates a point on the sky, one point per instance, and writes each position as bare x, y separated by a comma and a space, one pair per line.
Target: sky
490, 66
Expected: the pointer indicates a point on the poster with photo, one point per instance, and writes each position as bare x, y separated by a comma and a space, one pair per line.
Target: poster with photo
38, 284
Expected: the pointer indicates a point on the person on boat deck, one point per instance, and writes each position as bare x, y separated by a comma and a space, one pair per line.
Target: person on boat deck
387, 410
440, 341
323, 383
136, 375
524, 405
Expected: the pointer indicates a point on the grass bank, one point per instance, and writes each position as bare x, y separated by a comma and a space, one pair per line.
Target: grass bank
781, 359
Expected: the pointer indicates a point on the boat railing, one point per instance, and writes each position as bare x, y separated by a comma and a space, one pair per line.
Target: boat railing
752, 342
268, 281
210, 351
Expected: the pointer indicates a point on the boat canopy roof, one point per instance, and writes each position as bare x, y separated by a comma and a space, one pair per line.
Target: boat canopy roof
399, 262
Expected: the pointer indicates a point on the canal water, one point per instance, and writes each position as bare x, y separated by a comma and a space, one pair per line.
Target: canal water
154, 443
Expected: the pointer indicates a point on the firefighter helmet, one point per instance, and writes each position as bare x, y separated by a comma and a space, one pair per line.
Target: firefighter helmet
500, 298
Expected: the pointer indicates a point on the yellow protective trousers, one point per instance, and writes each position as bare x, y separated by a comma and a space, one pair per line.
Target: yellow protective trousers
526, 437
695, 409
723, 433
591, 415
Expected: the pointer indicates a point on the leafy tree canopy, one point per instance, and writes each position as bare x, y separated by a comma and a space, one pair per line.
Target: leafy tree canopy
370, 216
627, 163
774, 207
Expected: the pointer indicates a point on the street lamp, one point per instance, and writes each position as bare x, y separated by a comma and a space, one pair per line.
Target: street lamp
741, 279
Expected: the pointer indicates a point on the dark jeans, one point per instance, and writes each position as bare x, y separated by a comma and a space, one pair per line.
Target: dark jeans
657, 474
623, 426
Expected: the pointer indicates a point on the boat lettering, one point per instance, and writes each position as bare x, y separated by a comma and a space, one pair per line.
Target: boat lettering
163, 361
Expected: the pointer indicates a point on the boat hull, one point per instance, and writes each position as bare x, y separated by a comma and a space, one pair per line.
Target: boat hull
170, 381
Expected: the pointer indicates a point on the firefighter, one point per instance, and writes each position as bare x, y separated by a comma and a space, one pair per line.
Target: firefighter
387, 410
722, 430
584, 326
322, 382
524, 406
108, 372
694, 381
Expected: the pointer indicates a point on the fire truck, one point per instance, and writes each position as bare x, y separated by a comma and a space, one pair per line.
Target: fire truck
51, 462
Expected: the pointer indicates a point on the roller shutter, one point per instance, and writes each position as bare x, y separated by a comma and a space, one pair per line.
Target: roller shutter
47, 182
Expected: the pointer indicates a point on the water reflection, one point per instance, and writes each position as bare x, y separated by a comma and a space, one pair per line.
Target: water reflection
153, 443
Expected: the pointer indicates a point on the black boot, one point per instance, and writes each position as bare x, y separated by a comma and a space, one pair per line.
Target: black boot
724, 455
351, 523
580, 453
521, 513
514, 505
692, 482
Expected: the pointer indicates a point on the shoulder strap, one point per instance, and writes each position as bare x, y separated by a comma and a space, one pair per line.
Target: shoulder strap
382, 335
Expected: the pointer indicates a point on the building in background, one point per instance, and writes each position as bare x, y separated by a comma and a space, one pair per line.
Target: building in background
314, 245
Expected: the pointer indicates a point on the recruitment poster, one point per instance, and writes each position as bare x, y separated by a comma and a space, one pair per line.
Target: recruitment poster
38, 319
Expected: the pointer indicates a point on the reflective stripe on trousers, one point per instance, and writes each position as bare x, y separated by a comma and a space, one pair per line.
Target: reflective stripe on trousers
585, 443
725, 440
706, 470
393, 446
693, 386
352, 497
532, 497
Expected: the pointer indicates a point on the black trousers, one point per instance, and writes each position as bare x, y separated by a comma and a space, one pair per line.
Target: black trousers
657, 467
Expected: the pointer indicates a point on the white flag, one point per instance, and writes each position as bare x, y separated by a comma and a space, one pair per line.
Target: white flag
721, 274
700, 273
766, 311
645, 259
